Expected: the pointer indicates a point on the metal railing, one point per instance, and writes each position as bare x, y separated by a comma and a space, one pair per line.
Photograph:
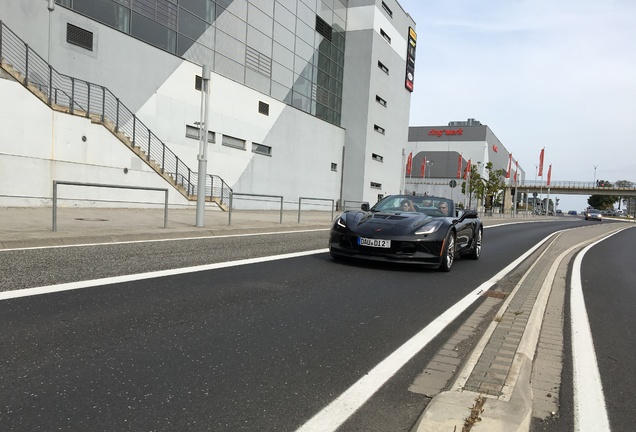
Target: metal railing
233, 194
100, 185
300, 200
75, 96
351, 205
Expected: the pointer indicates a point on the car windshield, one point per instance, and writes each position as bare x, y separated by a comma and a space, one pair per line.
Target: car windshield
431, 206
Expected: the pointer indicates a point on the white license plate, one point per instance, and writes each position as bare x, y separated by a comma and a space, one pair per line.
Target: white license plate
374, 242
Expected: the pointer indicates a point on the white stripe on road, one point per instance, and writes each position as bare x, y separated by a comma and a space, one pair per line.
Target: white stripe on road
149, 275
207, 237
338, 411
590, 413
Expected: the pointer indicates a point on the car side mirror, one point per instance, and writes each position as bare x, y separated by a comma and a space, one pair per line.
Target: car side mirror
365, 206
470, 214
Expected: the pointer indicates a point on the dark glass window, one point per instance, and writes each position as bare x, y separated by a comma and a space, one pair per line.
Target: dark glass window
183, 44
153, 33
106, 11
201, 8
190, 25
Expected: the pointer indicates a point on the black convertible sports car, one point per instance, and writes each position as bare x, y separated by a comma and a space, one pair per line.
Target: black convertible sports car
408, 229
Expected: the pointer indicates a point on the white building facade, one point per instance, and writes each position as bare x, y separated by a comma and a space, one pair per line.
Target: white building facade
445, 152
307, 97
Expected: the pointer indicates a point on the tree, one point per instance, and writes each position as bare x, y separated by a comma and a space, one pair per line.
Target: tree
603, 202
623, 184
490, 187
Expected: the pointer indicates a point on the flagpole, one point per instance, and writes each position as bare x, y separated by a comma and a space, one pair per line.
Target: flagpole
541, 185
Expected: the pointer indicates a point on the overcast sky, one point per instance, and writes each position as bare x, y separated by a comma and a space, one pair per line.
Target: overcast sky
559, 74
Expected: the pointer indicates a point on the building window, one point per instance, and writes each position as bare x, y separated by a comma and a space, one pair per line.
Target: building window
378, 129
381, 101
387, 10
261, 149
377, 157
383, 68
334, 166
193, 132
198, 82
385, 36
375, 185
263, 108
78, 36
230, 141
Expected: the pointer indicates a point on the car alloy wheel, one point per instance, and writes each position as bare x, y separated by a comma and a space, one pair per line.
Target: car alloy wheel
448, 255
476, 252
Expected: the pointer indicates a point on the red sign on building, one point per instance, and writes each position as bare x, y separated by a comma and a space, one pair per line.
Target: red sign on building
410, 60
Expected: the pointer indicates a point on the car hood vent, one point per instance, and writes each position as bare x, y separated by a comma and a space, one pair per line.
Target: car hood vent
390, 217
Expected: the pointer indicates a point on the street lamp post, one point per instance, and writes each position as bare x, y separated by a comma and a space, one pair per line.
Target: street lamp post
594, 183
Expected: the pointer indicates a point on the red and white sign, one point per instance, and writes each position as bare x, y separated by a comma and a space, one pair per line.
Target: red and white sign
449, 132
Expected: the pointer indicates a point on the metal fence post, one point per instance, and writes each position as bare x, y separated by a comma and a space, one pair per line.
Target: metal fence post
26, 66
299, 199
103, 103
54, 228
281, 210
229, 213
72, 95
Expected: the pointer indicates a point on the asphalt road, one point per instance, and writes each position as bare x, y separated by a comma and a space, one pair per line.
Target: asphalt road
260, 346
607, 278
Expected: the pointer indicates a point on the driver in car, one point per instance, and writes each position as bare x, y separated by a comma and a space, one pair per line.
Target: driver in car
407, 206
443, 208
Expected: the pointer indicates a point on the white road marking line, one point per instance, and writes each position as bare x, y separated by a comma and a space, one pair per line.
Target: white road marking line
590, 412
337, 412
148, 275
208, 237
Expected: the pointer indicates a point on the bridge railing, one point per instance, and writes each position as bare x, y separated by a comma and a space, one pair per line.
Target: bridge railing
572, 185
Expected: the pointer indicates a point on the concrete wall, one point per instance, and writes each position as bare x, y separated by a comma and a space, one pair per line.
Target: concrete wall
159, 88
39, 145
363, 80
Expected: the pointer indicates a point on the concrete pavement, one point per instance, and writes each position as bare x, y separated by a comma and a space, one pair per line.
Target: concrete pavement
32, 226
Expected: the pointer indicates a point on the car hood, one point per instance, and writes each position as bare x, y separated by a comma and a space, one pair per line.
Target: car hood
397, 222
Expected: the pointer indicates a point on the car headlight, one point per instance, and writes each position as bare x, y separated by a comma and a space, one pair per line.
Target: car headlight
429, 228
341, 222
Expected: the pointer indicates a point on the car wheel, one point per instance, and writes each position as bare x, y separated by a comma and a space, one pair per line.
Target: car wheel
476, 252
448, 255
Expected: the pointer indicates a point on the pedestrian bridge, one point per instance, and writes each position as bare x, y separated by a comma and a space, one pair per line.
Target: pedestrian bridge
574, 188
540, 187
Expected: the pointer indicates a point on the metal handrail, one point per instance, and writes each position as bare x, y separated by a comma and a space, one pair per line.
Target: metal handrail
79, 97
300, 199
233, 194
101, 185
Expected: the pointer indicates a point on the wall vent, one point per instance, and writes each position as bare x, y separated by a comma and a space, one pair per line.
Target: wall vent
323, 28
263, 108
78, 36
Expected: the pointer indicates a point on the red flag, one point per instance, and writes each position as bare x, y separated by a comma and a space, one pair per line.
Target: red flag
549, 173
516, 171
540, 174
409, 164
459, 166
423, 167
509, 166
467, 170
